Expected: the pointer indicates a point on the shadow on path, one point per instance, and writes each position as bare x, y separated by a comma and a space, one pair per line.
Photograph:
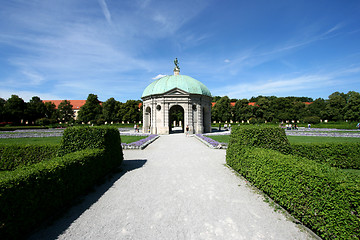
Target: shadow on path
59, 223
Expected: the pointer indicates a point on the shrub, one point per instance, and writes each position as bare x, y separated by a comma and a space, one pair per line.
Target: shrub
323, 198
31, 194
260, 136
13, 156
79, 138
312, 120
341, 155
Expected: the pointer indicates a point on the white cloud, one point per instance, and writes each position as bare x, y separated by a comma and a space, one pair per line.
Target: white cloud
159, 76
227, 60
35, 78
105, 10
281, 86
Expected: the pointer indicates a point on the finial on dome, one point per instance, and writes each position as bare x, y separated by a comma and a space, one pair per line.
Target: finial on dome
176, 68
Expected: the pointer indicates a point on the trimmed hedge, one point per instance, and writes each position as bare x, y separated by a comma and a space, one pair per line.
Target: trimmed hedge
13, 156
260, 136
31, 194
341, 155
321, 197
79, 138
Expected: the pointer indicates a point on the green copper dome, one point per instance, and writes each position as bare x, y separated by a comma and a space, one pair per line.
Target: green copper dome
183, 82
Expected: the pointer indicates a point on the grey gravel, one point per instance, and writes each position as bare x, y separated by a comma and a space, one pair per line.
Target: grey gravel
177, 188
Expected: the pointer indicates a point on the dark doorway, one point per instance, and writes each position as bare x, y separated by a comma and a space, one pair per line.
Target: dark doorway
176, 119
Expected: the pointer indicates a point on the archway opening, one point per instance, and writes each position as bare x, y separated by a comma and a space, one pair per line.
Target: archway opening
176, 119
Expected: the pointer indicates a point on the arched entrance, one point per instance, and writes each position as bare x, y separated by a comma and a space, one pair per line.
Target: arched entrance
176, 119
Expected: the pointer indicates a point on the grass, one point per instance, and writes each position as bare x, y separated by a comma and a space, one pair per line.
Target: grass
300, 139
35, 140
220, 138
336, 125
130, 139
56, 140
314, 139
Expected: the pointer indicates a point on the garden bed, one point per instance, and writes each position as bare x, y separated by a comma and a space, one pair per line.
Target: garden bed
140, 144
211, 143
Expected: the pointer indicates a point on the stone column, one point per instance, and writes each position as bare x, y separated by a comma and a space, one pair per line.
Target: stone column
189, 117
200, 120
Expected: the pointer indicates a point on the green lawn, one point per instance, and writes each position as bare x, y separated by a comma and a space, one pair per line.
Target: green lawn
130, 139
56, 140
220, 138
300, 139
314, 139
34, 140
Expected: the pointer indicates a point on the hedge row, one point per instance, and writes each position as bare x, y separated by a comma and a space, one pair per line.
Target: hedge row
30, 194
260, 136
79, 138
341, 155
13, 156
321, 197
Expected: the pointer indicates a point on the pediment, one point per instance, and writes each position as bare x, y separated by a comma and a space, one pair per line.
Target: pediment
176, 91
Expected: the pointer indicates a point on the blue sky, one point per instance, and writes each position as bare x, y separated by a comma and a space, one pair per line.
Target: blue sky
115, 48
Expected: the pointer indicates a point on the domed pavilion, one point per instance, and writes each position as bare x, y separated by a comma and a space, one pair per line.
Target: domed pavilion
174, 96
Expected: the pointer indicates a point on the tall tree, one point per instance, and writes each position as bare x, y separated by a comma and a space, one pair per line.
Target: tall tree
352, 108
35, 109
132, 111
110, 108
335, 106
51, 112
14, 109
221, 110
281, 108
66, 112
264, 110
91, 110
243, 111
2, 109
216, 98
316, 109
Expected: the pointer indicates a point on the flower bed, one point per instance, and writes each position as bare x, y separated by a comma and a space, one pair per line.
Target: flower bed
141, 144
210, 142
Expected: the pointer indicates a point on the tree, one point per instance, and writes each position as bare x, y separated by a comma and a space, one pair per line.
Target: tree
221, 110
132, 111
110, 110
51, 112
263, 110
243, 111
352, 108
35, 109
335, 106
2, 109
14, 109
281, 108
91, 111
317, 108
216, 98
66, 112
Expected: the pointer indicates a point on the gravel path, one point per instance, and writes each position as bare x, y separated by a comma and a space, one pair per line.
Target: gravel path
177, 188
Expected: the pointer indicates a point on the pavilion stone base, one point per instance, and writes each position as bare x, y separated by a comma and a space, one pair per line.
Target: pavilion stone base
162, 130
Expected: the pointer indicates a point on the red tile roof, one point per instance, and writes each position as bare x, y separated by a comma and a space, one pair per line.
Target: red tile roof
77, 104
